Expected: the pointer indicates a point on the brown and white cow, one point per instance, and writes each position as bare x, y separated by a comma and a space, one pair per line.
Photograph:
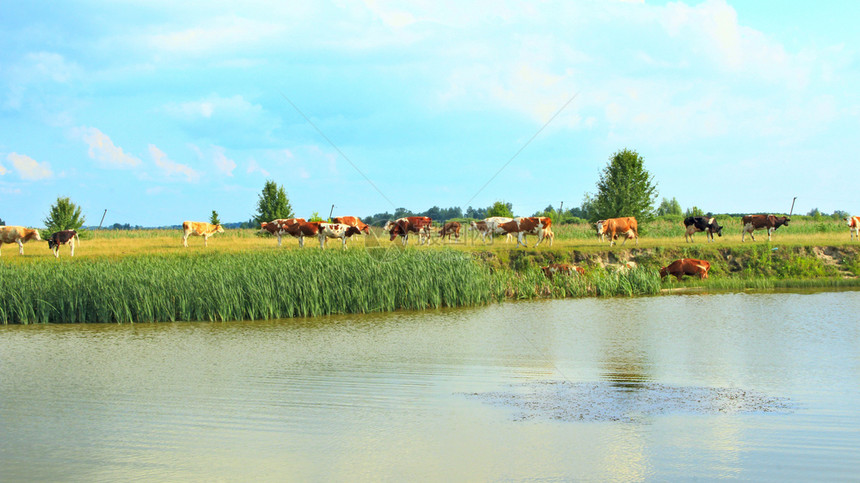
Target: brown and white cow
352, 221
336, 230
19, 235
411, 224
615, 227
276, 227
489, 228
853, 223
547, 233
199, 228
450, 228
696, 224
494, 223
561, 269
531, 225
770, 223
686, 266
301, 229
61, 238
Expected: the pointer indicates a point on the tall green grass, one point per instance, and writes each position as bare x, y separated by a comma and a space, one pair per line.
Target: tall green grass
237, 286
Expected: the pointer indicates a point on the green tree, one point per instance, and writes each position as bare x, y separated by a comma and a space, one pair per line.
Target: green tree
500, 208
668, 207
694, 211
214, 218
64, 215
273, 203
625, 188
2, 223
315, 216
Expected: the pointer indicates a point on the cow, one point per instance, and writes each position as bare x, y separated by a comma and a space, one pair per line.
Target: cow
696, 224
480, 227
494, 223
615, 227
562, 269
276, 227
853, 223
352, 221
61, 238
336, 230
19, 235
523, 226
450, 228
199, 228
301, 229
752, 223
547, 233
686, 266
411, 224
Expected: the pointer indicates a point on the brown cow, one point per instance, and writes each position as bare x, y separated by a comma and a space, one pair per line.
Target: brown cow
275, 227
562, 269
615, 227
450, 228
199, 228
411, 224
532, 225
686, 266
752, 223
61, 238
853, 223
19, 235
301, 229
352, 221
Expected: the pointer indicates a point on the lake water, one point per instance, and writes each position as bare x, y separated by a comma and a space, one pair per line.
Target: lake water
748, 386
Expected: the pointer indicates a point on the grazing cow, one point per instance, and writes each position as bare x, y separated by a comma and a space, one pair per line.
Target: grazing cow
61, 238
696, 224
480, 227
19, 235
686, 266
301, 229
532, 225
199, 228
485, 229
752, 223
352, 221
853, 223
450, 228
615, 227
276, 227
411, 224
336, 230
562, 269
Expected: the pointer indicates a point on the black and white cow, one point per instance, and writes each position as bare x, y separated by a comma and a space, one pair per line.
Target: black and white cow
696, 224
61, 238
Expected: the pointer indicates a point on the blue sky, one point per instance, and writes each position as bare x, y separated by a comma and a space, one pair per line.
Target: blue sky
162, 111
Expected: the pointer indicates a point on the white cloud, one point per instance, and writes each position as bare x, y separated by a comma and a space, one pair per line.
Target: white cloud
227, 33
254, 167
223, 163
171, 168
28, 168
103, 150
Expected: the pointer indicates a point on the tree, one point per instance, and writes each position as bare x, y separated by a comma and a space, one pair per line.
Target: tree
837, 215
625, 188
2, 223
500, 208
694, 211
64, 215
669, 207
214, 218
273, 204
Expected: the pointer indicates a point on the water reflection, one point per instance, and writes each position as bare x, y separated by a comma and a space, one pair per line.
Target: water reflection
755, 387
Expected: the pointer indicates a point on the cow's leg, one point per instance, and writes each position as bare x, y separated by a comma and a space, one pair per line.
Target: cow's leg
205, 240
322, 242
56, 250
343, 239
540, 238
769, 233
185, 240
20, 247
301, 241
279, 239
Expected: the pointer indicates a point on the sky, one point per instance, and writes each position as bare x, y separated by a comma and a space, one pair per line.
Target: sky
162, 111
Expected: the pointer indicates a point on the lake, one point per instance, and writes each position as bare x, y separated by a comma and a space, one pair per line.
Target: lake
762, 386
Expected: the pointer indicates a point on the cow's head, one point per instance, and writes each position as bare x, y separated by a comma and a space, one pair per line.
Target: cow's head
715, 227
51, 244
601, 227
219, 229
664, 271
353, 230
547, 271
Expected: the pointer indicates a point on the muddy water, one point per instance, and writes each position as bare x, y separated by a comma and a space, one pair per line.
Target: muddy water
749, 386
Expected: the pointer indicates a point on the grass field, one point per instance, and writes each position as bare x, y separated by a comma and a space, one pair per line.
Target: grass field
147, 275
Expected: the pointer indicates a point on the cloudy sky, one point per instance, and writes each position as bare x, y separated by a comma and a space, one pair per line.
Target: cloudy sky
162, 111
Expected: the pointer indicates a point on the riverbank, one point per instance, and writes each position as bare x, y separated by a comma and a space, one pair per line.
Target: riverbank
213, 285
